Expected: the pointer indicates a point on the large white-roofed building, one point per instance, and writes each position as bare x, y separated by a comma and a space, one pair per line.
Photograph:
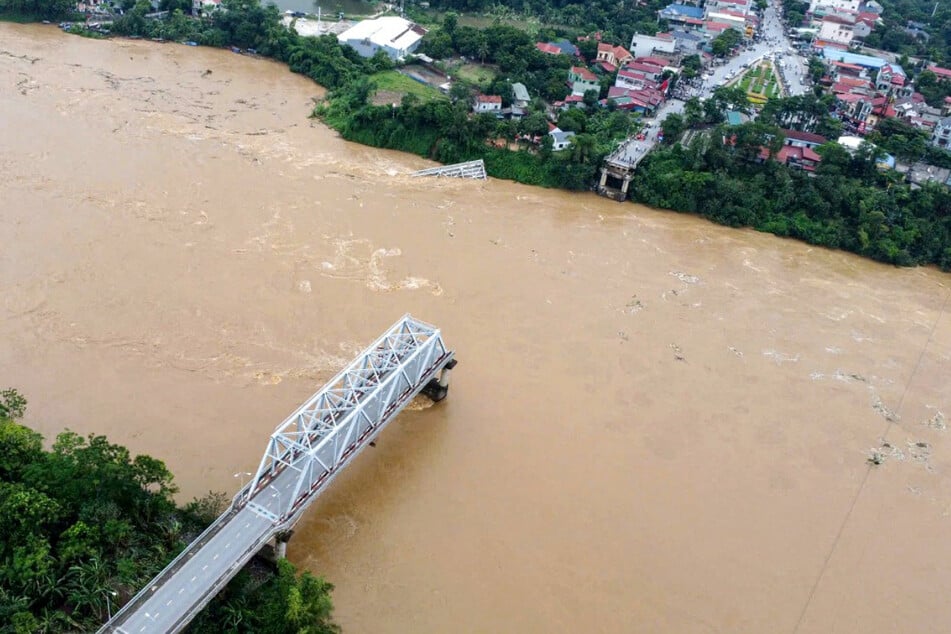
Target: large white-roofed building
393, 35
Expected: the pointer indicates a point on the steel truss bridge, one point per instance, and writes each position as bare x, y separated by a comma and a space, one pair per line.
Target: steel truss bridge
303, 456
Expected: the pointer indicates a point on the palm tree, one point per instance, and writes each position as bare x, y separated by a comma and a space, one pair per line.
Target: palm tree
482, 49
86, 585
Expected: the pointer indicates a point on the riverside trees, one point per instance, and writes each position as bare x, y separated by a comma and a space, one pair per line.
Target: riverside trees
848, 204
85, 524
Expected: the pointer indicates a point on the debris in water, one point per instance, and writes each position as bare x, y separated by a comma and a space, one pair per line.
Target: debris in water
920, 451
685, 278
936, 422
889, 415
780, 357
633, 306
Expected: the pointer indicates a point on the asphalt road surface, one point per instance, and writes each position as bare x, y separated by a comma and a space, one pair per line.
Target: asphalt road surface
245, 531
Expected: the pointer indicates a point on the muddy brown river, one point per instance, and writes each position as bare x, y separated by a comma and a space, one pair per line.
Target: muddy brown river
656, 425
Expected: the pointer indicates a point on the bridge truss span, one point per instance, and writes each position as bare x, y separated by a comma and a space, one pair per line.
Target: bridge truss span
302, 457
324, 432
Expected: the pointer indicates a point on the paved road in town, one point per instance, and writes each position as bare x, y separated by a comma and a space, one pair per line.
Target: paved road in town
773, 41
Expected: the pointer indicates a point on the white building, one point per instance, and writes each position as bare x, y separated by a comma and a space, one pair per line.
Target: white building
833, 31
645, 45
826, 6
942, 133
487, 103
736, 21
393, 35
560, 139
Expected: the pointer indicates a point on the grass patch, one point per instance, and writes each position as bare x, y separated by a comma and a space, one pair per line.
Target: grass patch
394, 83
475, 74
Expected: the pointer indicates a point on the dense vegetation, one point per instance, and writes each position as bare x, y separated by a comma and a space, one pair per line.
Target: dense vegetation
446, 131
37, 9
849, 204
85, 524
617, 21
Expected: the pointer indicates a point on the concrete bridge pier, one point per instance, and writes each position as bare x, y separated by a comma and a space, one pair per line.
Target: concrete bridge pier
615, 181
280, 544
438, 388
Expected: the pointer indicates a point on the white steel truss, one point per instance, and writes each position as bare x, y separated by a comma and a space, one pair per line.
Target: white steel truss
346, 414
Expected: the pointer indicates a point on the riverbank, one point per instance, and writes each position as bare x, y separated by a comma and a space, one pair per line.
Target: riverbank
726, 184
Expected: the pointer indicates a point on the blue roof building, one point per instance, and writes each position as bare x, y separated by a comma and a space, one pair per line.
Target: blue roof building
567, 48
866, 61
681, 11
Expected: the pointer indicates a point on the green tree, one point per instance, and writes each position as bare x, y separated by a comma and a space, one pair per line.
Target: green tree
19, 448
449, 23
693, 112
673, 126
12, 404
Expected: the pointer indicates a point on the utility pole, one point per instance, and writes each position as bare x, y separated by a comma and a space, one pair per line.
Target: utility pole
935, 10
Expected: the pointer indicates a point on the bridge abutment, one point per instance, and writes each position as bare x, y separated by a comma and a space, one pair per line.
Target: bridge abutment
615, 181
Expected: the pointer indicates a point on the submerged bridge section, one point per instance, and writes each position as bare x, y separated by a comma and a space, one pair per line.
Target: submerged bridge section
470, 169
303, 456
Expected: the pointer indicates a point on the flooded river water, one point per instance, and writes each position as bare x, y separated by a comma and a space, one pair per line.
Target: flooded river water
656, 424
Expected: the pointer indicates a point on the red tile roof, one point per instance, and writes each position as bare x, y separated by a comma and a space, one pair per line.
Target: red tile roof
839, 87
551, 49
644, 68
849, 66
837, 19
943, 73
608, 67
808, 137
583, 73
488, 99
791, 152
827, 44
656, 61
850, 97
854, 81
